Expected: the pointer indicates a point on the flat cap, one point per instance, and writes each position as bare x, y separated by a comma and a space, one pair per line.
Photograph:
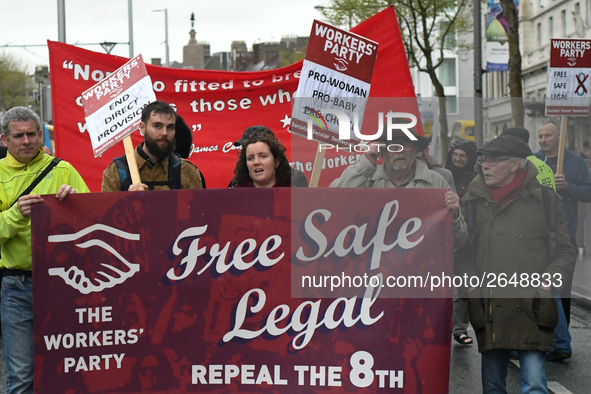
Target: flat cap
505, 145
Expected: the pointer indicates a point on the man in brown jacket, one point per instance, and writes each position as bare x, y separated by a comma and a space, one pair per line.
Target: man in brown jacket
159, 167
513, 272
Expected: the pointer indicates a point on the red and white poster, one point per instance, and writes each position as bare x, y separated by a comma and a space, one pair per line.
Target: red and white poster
113, 107
568, 88
190, 291
217, 105
336, 75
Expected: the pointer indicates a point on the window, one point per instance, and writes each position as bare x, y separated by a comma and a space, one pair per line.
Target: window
447, 72
448, 78
563, 22
449, 41
539, 34
551, 27
503, 83
579, 19
451, 104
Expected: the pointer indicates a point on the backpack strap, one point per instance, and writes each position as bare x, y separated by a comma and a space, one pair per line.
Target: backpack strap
174, 173
123, 170
39, 178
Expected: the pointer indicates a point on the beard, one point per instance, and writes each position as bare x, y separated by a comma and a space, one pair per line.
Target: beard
155, 150
398, 165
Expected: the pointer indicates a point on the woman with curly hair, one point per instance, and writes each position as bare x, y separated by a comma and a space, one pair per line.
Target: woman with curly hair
262, 162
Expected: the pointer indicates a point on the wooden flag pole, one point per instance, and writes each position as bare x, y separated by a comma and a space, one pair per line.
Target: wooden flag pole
315, 177
132, 164
561, 145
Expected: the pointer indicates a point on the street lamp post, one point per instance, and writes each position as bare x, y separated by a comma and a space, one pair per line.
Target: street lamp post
478, 107
61, 20
61, 25
167, 64
130, 26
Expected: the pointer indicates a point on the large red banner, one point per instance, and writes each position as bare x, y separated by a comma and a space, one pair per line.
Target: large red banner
217, 105
179, 291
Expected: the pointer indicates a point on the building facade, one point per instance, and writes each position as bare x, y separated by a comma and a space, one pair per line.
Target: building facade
539, 21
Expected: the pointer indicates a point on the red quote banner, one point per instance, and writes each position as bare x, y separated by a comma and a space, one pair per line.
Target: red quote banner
217, 105
179, 291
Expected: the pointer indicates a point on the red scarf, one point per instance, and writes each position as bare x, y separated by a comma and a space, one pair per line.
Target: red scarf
506, 193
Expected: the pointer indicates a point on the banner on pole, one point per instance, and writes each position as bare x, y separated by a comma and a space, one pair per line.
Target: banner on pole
497, 42
217, 105
336, 79
567, 93
113, 107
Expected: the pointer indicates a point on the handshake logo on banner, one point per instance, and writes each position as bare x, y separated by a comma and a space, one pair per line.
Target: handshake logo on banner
99, 280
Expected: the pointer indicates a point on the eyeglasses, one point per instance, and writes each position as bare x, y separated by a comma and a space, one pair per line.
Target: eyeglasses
492, 162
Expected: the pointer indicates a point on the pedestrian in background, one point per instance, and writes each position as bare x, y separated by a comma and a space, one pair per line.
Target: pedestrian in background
545, 173
461, 159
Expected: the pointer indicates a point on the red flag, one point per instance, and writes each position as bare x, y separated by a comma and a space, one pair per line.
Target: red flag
217, 105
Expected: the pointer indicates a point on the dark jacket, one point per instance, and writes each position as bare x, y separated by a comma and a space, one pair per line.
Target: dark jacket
513, 239
153, 172
578, 189
462, 176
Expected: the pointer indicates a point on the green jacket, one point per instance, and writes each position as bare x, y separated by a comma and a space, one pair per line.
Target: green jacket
15, 177
513, 239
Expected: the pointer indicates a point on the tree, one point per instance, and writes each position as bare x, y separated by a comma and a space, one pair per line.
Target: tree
348, 13
14, 83
290, 56
514, 64
428, 28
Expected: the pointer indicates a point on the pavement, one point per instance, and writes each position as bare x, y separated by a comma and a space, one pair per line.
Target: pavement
581, 292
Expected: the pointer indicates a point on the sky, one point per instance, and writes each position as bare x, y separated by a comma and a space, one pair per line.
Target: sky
219, 22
